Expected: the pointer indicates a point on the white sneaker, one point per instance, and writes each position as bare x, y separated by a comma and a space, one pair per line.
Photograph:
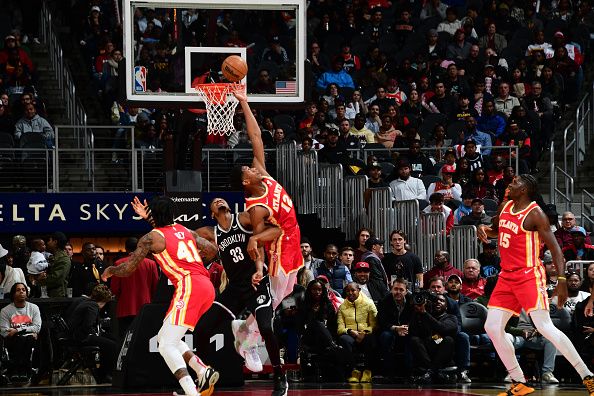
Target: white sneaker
252, 359
464, 378
549, 378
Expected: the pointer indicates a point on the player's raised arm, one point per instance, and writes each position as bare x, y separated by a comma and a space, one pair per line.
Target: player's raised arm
151, 242
208, 250
207, 233
253, 131
269, 233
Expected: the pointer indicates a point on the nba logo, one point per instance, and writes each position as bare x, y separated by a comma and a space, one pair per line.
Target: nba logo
139, 79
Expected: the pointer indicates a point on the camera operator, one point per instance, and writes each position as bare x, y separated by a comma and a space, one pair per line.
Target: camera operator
432, 331
436, 285
393, 315
85, 323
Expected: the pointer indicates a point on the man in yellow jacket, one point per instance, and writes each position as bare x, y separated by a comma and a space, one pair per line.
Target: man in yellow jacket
356, 322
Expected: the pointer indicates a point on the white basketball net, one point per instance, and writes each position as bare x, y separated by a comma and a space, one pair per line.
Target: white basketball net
220, 107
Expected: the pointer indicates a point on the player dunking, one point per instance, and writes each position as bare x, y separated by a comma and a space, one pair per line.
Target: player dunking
248, 286
176, 249
268, 202
520, 227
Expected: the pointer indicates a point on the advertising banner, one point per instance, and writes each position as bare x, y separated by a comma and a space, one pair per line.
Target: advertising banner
99, 213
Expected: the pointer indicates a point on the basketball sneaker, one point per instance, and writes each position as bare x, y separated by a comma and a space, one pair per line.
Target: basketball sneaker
252, 359
281, 386
205, 384
518, 389
589, 384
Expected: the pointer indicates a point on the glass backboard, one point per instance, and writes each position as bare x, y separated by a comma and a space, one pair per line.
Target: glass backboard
170, 46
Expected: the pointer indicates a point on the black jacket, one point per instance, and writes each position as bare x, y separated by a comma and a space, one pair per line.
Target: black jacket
388, 314
425, 325
84, 320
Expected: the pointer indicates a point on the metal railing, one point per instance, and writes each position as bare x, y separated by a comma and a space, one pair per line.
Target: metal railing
305, 193
578, 265
75, 112
380, 212
511, 152
576, 138
433, 235
560, 193
331, 195
355, 213
406, 218
587, 210
463, 245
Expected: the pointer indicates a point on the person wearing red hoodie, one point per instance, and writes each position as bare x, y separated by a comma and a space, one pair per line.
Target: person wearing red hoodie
441, 267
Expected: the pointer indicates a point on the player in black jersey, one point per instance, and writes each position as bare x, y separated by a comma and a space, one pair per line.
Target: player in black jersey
248, 284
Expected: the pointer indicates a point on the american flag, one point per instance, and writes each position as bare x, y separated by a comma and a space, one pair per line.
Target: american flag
286, 87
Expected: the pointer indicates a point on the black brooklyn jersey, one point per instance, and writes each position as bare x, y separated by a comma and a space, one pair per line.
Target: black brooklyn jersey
236, 261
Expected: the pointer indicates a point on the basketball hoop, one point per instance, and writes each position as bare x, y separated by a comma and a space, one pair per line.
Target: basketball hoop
220, 107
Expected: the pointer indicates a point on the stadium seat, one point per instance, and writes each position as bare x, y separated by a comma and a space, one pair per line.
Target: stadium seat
428, 179
284, 119
454, 128
490, 205
474, 316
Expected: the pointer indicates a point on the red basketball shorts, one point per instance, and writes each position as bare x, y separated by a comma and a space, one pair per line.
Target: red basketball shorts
193, 296
285, 255
523, 288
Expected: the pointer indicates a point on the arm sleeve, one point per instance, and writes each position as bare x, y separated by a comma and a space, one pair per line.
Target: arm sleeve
341, 329
57, 273
18, 130
5, 320
348, 275
500, 126
421, 193
488, 143
36, 317
372, 316
457, 192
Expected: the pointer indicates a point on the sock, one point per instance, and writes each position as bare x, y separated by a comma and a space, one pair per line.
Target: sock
188, 386
516, 374
197, 365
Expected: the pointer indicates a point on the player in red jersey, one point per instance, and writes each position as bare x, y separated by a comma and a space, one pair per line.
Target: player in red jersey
519, 227
176, 249
267, 202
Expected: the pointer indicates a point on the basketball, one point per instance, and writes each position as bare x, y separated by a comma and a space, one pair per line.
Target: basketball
234, 68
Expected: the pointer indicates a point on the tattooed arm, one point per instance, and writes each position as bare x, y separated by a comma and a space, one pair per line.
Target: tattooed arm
151, 242
208, 251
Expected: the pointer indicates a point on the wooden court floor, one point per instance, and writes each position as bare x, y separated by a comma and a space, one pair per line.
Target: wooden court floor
264, 388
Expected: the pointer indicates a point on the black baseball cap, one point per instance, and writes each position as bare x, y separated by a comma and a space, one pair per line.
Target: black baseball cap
372, 241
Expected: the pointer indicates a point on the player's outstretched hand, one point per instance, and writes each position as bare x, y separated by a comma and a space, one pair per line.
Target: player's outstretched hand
106, 274
481, 233
140, 208
253, 250
256, 278
561, 293
238, 91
